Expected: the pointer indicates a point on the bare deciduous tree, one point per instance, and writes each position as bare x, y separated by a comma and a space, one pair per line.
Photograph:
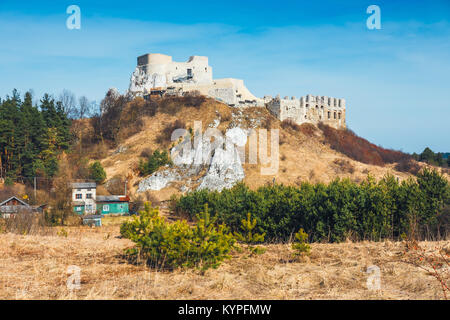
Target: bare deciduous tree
84, 107
68, 101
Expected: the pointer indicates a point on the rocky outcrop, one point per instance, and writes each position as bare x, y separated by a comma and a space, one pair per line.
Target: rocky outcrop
159, 180
223, 164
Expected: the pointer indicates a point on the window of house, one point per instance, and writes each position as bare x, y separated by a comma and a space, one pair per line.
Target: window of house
89, 196
78, 196
106, 208
89, 207
78, 208
189, 72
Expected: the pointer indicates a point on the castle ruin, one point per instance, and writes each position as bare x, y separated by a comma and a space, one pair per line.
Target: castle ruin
159, 74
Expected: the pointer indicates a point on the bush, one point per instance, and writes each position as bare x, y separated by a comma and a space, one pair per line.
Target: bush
332, 212
359, 149
175, 245
407, 165
248, 236
97, 173
308, 129
146, 153
9, 182
290, 124
344, 166
24, 223
166, 134
173, 104
301, 245
153, 163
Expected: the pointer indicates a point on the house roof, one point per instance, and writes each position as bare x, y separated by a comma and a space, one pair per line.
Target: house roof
83, 185
14, 198
113, 198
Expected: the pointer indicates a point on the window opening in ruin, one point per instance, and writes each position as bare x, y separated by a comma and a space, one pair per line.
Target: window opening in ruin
329, 114
335, 115
339, 116
189, 73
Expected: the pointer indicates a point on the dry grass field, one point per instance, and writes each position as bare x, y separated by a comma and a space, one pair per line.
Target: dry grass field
35, 267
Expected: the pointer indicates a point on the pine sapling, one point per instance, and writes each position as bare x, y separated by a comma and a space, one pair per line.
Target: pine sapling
301, 246
249, 236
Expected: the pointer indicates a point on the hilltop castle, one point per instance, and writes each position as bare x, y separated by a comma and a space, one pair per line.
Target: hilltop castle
158, 74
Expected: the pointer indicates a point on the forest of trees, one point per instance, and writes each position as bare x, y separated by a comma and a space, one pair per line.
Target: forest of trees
438, 159
341, 209
31, 136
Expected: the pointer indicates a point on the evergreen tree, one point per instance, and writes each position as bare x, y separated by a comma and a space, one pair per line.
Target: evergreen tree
97, 172
31, 138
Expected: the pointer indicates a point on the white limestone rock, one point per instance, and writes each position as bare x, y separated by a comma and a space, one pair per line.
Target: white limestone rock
158, 181
224, 172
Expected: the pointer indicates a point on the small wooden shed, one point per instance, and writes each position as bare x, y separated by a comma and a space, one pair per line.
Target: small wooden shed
92, 220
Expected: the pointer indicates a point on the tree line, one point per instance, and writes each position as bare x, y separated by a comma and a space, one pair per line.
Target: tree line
434, 158
333, 212
31, 136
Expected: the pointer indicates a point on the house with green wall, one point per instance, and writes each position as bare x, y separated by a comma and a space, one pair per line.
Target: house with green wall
85, 201
113, 205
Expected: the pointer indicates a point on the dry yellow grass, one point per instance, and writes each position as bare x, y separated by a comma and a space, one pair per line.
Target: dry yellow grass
35, 267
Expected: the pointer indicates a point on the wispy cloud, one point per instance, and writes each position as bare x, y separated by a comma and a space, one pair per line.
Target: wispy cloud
395, 80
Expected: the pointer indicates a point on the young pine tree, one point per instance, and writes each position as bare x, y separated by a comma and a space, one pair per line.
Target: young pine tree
301, 246
249, 236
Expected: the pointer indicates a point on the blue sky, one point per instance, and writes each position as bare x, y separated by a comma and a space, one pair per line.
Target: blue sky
395, 80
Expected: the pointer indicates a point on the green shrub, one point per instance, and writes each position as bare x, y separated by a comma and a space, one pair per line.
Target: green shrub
154, 162
97, 173
301, 245
334, 212
175, 245
248, 236
9, 182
